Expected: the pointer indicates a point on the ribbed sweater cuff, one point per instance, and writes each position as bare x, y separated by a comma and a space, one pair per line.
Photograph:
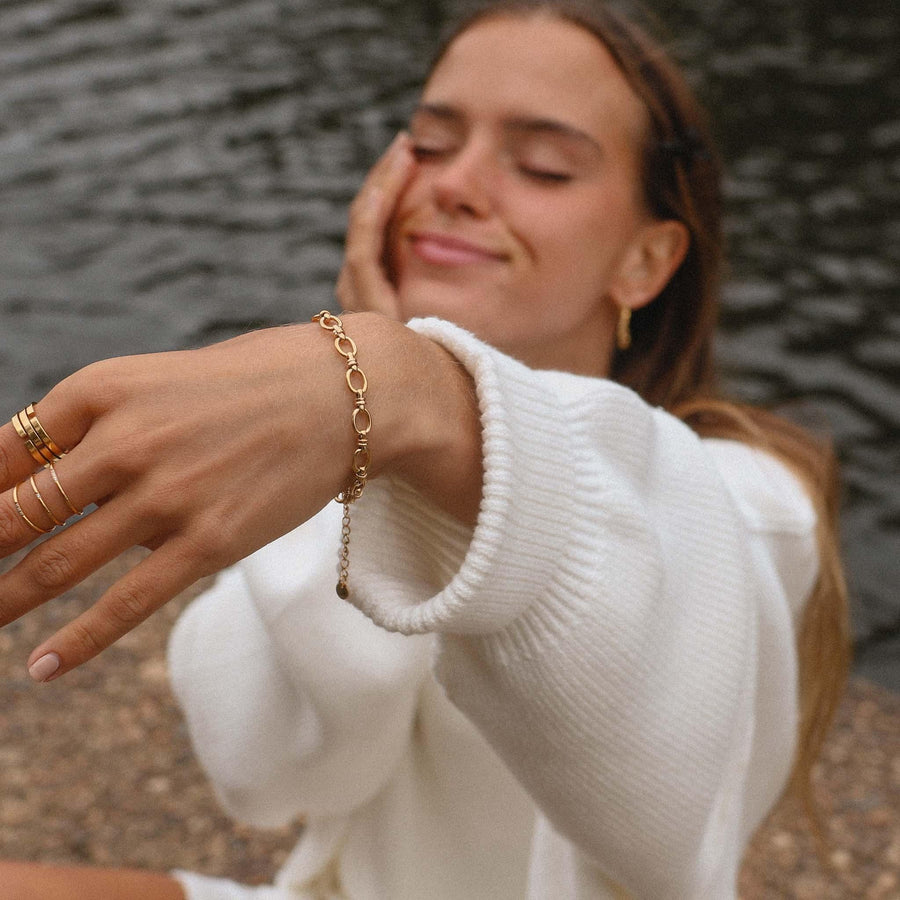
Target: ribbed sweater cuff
417, 569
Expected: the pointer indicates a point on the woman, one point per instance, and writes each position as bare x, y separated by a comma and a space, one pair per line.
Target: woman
602, 578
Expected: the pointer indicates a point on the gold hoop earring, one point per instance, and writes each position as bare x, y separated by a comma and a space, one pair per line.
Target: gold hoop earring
623, 329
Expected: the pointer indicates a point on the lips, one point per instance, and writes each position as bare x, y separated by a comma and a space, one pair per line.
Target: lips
447, 250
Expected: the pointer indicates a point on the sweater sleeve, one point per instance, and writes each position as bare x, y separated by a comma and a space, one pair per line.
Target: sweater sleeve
295, 702
602, 623
203, 887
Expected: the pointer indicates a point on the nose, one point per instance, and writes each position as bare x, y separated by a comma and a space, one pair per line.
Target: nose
463, 182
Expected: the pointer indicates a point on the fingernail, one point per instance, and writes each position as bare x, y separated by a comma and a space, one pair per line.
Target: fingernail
398, 150
41, 669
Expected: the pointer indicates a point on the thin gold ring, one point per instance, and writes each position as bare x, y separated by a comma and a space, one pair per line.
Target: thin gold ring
43, 437
30, 446
65, 496
25, 518
40, 500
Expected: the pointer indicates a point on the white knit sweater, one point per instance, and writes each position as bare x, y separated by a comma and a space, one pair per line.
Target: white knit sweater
591, 695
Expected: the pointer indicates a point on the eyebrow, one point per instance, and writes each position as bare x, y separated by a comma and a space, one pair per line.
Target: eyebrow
521, 124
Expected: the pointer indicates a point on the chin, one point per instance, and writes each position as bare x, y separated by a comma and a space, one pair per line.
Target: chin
469, 308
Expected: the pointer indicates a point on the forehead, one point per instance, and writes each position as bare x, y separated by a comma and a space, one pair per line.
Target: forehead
537, 66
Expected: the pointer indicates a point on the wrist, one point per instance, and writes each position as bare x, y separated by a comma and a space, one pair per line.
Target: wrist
425, 419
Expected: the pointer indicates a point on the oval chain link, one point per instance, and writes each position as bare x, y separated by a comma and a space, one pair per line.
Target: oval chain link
361, 419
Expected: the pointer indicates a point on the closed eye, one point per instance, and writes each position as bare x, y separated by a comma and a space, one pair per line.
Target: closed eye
545, 175
425, 151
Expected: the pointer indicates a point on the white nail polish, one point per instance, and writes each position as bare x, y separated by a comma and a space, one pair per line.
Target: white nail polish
41, 669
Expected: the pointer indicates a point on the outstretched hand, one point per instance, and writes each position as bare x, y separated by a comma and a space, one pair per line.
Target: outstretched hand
204, 456
201, 456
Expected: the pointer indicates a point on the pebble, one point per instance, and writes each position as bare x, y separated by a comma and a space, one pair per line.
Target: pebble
97, 769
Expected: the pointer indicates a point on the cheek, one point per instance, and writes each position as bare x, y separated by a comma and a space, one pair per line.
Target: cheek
575, 266
571, 247
588, 237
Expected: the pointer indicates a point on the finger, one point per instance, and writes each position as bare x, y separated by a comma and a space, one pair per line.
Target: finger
148, 586
60, 417
387, 173
37, 506
363, 282
56, 565
375, 203
43, 499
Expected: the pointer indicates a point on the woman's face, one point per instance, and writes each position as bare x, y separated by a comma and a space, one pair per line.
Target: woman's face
527, 193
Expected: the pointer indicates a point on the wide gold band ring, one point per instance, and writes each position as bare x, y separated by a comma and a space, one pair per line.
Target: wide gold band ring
34, 449
45, 438
43, 449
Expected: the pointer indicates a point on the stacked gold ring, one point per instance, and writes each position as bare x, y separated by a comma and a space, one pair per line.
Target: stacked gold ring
51, 516
39, 444
45, 451
75, 510
23, 515
38, 496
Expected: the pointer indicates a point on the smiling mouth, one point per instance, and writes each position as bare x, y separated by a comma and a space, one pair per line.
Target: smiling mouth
444, 250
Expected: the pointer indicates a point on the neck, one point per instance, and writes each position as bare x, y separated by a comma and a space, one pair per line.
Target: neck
589, 352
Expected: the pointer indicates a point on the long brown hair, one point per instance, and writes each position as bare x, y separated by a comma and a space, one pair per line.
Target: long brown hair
670, 359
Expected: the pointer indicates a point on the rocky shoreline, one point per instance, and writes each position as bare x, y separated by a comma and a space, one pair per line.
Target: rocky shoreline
96, 769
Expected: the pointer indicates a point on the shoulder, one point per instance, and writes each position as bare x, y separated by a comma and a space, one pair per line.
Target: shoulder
776, 511
768, 494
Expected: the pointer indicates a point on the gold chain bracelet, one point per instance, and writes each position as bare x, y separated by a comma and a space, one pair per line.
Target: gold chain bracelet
362, 424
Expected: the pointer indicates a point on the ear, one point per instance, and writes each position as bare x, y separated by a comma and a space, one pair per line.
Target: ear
653, 257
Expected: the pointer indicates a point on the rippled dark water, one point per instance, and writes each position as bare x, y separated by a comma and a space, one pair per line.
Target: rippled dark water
175, 171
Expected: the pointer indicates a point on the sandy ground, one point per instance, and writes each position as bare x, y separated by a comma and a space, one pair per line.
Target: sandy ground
97, 769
